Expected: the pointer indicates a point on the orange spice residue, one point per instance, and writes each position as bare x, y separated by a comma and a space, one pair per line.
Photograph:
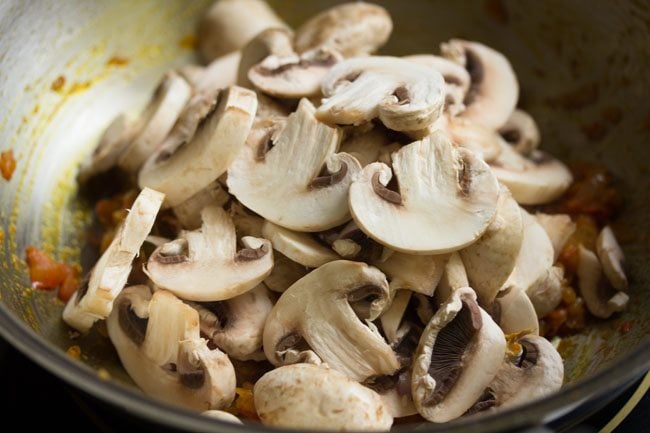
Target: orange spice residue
7, 164
188, 42
118, 61
48, 274
74, 352
57, 85
244, 404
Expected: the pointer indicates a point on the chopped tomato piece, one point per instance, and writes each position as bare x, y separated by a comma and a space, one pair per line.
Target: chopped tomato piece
48, 274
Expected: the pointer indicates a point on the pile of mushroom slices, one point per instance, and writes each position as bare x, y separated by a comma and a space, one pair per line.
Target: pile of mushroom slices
353, 219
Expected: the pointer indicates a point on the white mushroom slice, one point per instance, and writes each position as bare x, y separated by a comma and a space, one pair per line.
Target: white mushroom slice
246, 223
117, 136
222, 416
559, 229
156, 121
229, 24
94, 300
204, 265
346, 248
425, 306
611, 258
460, 352
311, 201
440, 186
514, 312
310, 397
369, 147
490, 260
236, 325
521, 132
535, 180
353, 29
420, 274
494, 90
391, 319
453, 278
219, 138
285, 272
158, 341
457, 80
294, 76
320, 317
534, 271
219, 74
405, 96
600, 299
272, 41
473, 136
537, 372
189, 212
302, 248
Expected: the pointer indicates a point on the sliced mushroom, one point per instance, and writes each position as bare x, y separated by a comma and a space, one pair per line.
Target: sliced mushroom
420, 274
490, 260
559, 229
158, 341
521, 132
189, 212
219, 74
405, 96
600, 299
533, 180
272, 41
459, 354
369, 147
156, 121
319, 318
457, 80
246, 223
236, 325
514, 312
94, 301
395, 392
219, 138
440, 186
310, 199
611, 258
473, 136
115, 139
285, 272
302, 248
304, 396
453, 278
204, 265
392, 319
229, 24
352, 243
537, 372
426, 306
494, 90
222, 416
353, 29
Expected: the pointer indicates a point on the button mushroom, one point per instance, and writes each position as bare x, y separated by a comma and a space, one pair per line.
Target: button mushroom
494, 90
219, 138
272, 41
611, 258
319, 318
94, 300
285, 272
189, 211
405, 96
204, 265
311, 199
236, 325
453, 278
219, 74
156, 121
600, 299
392, 319
521, 132
222, 416
420, 274
459, 354
157, 339
444, 191
559, 229
473, 136
304, 396
514, 312
302, 248
371, 146
490, 260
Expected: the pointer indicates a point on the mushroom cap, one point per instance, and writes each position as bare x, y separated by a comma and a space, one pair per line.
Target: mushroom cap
460, 352
559, 229
276, 40
600, 299
490, 260
158, 341
521, 132
535, 180
404, 95
320, 317
305, 396
204, 265
353, 29
156, 121
310, 201
611, 258
218, 140
420, 274
109, 275
494, 89
515, 313
446, 192
300, 247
